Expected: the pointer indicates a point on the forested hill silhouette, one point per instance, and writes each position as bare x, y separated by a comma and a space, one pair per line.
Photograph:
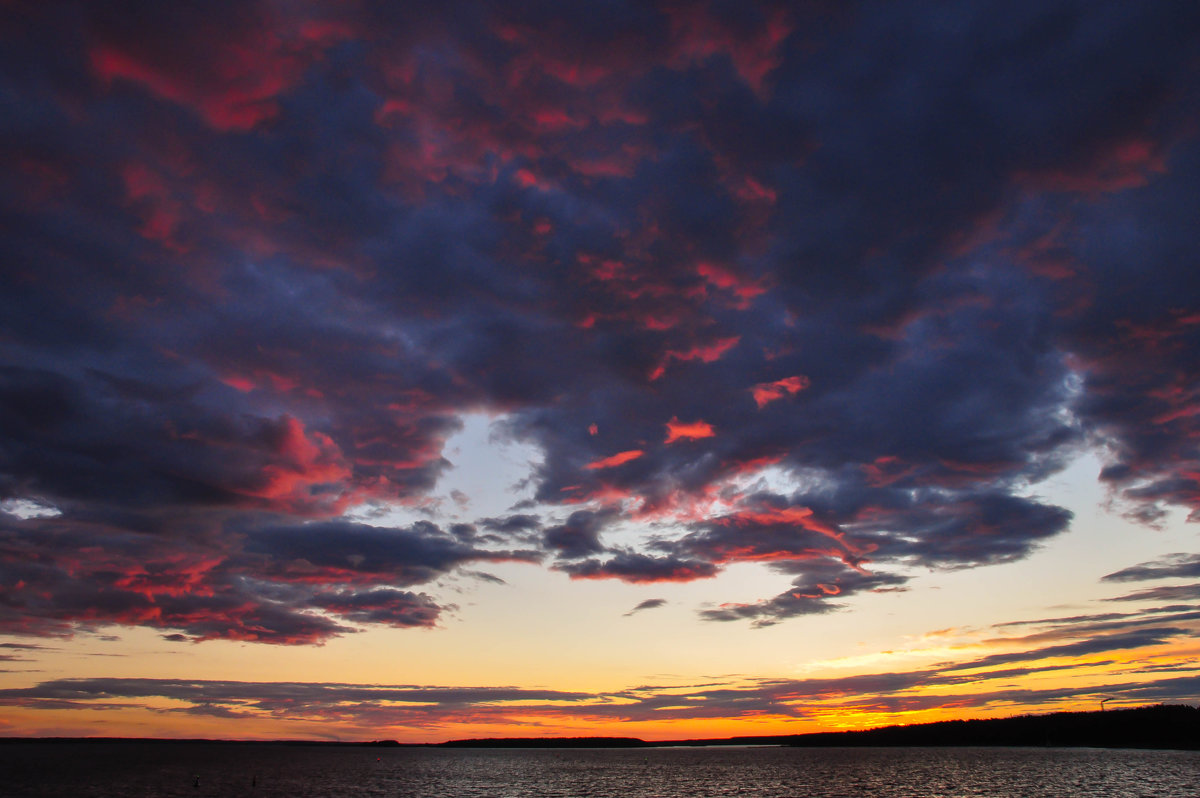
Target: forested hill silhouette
1160, 726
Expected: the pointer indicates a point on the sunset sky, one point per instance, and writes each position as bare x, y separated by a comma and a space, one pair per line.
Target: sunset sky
429, 370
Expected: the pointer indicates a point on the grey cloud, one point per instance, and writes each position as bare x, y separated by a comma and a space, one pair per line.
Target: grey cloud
1171, 566
648, 604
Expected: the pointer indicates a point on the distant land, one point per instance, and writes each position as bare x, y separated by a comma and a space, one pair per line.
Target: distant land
1161, 726
1174, 726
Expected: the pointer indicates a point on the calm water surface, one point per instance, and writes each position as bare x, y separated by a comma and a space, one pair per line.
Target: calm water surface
264, 771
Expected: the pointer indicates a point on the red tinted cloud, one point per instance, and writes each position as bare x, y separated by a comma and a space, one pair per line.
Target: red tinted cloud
705, 353
305, 464
886, 470
742, 290
752, 49
767, 392
242, 102
528, 214
684, 431
801, 517
231, 73
1121, 165
155, 202
615, 460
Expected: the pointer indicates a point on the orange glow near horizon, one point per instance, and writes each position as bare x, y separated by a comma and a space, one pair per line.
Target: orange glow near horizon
846, 714
819, 701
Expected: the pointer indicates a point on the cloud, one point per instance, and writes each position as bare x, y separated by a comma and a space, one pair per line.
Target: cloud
637, 568
256, 276
1003, 681
615, 460
257, 62
339, 551
767, 392
1152, 636
305, 697
971, 529
815, 590
1172, 593
687, 431
24, 508
704, 353
267, 583
580, 535
522, 528
1169, 567
398, 608
648, 604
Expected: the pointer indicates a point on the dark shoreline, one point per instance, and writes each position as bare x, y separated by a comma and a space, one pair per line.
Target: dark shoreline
1164, 726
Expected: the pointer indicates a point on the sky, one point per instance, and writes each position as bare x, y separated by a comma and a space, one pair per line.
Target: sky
431, 370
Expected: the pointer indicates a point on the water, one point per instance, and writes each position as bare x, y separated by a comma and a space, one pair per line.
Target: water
263, 771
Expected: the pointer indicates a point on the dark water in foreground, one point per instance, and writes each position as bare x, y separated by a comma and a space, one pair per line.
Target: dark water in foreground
63, 769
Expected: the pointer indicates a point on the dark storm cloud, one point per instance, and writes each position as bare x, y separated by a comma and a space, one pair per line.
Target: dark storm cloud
269, 583
260, 259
